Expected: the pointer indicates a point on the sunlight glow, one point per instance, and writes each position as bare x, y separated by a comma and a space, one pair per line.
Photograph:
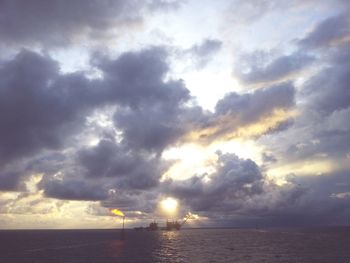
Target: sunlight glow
189, 159
169, 205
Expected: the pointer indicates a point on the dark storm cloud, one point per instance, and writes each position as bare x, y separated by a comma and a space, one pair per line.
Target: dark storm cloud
153, 127
237, 187
154, 112
132, 169
152, 122
234, 180
327, 200
137, 78
58, 22
41, 108
340, 55
323, 140
329, 32
37, 105
156, 126
9, 180
327, 185
329, 90
73, 189
241, 194
278, 69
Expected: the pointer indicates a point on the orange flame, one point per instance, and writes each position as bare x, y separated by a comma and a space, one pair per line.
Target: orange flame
117, 212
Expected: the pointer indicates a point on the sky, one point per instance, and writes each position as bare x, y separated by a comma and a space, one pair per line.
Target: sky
237, 109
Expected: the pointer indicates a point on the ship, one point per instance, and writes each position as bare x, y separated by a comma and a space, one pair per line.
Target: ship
152, 227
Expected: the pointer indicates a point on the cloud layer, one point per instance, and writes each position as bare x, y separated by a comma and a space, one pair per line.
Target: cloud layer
100, 135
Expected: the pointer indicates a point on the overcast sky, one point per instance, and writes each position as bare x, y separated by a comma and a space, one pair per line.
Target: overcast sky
239, 109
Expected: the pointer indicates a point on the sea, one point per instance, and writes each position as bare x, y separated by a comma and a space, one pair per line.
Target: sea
316, 245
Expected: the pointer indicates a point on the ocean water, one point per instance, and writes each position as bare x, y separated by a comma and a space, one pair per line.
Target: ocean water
329, 245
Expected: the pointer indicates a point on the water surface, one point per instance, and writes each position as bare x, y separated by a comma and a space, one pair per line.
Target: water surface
187, 245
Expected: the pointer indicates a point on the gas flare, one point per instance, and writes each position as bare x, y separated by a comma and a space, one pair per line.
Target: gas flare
117, 212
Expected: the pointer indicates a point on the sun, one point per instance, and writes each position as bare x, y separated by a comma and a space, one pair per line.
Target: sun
169, 205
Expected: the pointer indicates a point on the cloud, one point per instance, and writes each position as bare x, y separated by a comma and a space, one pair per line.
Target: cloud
73, 189
27, 203
321, 127
251, 106
137, 78
131, 201
319, 133
248, 12
240, 193
238, 186
154, 113
153, 127
45, 111
332, 31
320, 204
203, 52
323, 140
317, 144
131, 169
63, 22
268, 158
9, 180
39, 107
279, 69
150, 115
328, 90
49, 123
165, 4
248, 114
207, 47
234, 179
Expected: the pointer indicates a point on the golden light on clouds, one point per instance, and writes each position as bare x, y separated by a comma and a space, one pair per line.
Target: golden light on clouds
229, 127
33, 209
198, 156
196, 159
264, 125
308, 168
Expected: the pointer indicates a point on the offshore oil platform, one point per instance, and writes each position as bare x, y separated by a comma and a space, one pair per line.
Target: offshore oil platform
169, 226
